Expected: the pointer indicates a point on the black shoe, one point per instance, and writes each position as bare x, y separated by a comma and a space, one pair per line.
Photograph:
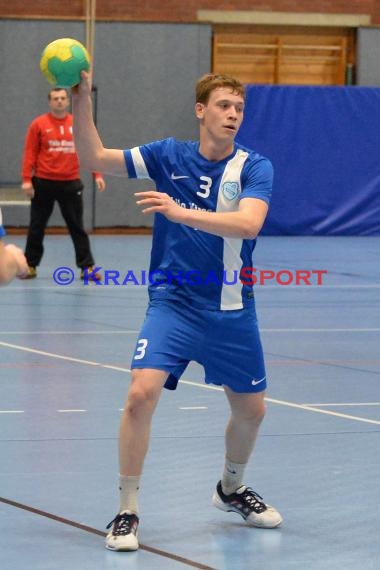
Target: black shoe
30, 274
87, 273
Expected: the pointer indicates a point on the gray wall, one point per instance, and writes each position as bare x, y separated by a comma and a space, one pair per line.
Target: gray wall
145, 76
368, 57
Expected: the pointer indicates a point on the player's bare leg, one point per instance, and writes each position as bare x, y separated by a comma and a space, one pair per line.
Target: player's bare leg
135, 424
134, 435
247, 413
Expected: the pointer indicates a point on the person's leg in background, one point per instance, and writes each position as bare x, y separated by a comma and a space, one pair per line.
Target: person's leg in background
70, 201
41, 208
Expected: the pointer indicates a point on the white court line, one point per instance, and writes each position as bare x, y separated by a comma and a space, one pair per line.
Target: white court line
70, 411
61, 357
348, 286
293, 405
188, 382
12, 411
323, 286
131, 331
377, 329
70, 288
132, 287
345, 404
34, 333
328, 413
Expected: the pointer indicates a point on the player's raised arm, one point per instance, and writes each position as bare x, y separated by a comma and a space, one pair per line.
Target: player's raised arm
92, 154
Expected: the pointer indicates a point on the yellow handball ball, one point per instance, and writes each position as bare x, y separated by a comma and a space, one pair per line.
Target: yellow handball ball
62, 61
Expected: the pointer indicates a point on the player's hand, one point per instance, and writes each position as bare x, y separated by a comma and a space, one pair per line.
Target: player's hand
100, 184
19, 258
153, 202
27, 188
84, 87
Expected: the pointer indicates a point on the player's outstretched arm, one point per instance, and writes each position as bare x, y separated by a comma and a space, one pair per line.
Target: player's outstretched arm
91, 152
246, 222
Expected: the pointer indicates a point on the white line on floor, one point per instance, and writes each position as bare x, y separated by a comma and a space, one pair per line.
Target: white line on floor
62, 357
35, 333
135, 332
70, 411
344, 404
188, 382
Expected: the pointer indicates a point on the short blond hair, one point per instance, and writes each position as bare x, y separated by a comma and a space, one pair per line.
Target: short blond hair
207, 83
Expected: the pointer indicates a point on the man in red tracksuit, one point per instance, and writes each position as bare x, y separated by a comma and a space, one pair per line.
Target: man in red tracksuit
50, 173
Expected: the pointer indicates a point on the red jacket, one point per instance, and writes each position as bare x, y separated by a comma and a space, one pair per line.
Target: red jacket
49, 150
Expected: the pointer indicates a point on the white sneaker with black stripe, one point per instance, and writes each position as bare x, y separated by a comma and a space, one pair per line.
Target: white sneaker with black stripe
249, 505
123, 536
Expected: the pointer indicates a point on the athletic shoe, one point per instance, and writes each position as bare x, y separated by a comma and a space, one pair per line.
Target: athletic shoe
123, 535
89, 275
249, 505
30, 274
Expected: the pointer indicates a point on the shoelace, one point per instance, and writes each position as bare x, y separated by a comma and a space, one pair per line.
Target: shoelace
123, 524
254, 500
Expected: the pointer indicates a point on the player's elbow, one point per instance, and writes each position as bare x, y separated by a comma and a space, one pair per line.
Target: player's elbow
249, 232
91, 161
250, 235
252, 214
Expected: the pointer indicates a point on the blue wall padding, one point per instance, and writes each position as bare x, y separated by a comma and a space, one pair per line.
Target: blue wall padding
324, 143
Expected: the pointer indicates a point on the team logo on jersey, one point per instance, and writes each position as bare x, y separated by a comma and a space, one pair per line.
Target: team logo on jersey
230, 190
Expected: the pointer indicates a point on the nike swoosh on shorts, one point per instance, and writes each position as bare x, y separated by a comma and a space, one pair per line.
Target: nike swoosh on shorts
255, 382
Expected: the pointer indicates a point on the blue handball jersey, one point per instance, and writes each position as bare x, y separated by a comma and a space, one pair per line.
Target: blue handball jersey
2, 230
187, 264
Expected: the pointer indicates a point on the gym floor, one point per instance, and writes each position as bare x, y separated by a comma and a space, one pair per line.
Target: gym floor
65, 354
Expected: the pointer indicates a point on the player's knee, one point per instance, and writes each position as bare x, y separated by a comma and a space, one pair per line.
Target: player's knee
259, 414
255, 413
139, 401
142, 398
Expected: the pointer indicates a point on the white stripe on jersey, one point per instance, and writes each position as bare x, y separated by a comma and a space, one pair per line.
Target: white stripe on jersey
139, 164
228, 201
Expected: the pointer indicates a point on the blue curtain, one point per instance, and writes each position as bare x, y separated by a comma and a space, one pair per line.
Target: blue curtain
324, 143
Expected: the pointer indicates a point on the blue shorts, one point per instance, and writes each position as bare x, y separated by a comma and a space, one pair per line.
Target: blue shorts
226, 343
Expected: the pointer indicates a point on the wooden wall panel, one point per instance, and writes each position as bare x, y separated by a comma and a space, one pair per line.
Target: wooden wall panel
282, 55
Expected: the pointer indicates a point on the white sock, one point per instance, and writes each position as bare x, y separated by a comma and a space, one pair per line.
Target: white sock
232, 477
128, 487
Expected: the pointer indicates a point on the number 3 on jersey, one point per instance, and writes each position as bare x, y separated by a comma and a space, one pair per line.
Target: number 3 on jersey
206, 187
140, 348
